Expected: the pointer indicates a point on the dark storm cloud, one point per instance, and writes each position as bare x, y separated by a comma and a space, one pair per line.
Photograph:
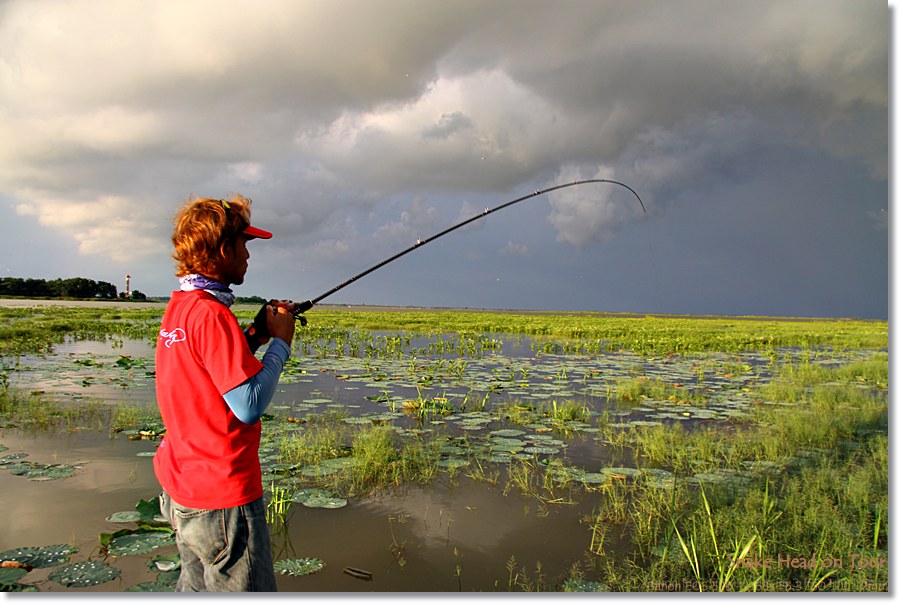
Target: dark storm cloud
349, 120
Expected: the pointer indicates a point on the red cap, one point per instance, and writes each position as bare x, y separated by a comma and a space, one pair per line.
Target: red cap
254, 233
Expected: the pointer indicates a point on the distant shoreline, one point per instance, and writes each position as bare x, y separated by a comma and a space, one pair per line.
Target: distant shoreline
161, 304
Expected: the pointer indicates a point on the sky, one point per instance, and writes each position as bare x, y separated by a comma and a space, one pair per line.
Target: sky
756, 134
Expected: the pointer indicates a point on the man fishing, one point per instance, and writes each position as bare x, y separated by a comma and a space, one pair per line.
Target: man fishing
211, 392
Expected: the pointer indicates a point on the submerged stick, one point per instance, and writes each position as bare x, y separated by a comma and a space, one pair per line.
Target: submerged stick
358, 573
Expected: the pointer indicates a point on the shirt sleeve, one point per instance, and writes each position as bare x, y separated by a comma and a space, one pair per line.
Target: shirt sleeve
248, 401
222, 349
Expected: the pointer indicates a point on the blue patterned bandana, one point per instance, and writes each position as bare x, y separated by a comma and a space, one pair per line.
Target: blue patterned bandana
222, 293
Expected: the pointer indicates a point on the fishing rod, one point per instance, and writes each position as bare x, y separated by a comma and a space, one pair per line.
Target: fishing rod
259, 328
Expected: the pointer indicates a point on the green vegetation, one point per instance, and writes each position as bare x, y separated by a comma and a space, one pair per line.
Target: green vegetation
77, 287
731, 471
795, 500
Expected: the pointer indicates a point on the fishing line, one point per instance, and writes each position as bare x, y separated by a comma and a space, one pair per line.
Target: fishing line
301, 307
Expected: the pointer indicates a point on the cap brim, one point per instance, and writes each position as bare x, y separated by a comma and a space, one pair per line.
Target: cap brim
255, 233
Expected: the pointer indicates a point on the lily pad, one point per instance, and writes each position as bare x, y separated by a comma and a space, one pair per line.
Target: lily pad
40, 557
302, 495
583, 586
299, 566
8, 576
453, 463
620, 471
123, 517
331, 503
165, 563
40, 472
84, 574
12, 458
595, 478
150, 587
507, 433
141, 541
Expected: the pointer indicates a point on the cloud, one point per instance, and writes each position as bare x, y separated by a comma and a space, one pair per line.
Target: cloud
448, 125
99, 226
325, 112
515, 249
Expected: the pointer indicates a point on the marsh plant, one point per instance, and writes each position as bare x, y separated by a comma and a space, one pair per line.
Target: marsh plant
788, 494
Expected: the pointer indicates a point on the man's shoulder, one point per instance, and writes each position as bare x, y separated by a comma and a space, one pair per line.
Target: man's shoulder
197, 300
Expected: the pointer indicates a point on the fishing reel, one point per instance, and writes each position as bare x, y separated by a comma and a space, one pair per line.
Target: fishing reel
258, 331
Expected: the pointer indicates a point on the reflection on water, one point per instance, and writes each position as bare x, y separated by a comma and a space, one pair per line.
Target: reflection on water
454, 534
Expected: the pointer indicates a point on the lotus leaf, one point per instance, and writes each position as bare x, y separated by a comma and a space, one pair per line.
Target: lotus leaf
453, 463
141, 541
122, 517
40, 557
8, 576
84, 574
169, 578
165, 563
618, 471
299, 566
303, 494
595, 478
540, 450
331, 503
41, 472
12, 458
507, 433
582, 585
151, 586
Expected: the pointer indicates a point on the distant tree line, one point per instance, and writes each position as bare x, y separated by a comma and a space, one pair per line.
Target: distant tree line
76, 287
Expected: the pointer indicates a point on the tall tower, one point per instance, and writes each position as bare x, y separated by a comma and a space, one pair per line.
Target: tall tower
127, 286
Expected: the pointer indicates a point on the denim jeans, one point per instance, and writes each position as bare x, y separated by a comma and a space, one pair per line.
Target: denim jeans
222, 550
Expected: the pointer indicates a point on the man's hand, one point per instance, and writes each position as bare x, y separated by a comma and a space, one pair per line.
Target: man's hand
281, 323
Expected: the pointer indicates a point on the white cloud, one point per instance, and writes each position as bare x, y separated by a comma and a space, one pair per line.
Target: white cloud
320, 109
114, 227
515, 249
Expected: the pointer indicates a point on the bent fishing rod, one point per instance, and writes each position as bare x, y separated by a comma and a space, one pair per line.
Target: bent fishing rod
259, 329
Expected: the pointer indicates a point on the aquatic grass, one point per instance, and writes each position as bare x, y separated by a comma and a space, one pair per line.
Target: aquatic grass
36, 412
823, 438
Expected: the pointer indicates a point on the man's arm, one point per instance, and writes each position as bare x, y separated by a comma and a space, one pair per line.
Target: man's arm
249, 400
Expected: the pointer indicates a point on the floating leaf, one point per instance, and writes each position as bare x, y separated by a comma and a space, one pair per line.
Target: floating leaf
141, 541
165, 563
40, 557
12, 458
148, 509
151, 586
582, 585
303, 494
507, 433
122, 517
8, 576
299, 566
331, 503
621, 472
595, 478
84, 574
453, 463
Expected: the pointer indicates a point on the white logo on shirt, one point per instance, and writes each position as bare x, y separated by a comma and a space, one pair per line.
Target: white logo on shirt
176, 335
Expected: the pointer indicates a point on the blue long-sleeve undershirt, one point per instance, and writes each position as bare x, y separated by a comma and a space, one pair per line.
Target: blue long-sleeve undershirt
249, 400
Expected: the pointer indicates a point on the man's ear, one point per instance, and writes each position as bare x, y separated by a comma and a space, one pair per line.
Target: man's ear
226, 249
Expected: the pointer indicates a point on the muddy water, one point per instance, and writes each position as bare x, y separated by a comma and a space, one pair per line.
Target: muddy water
73, 510
435, 538
455, 534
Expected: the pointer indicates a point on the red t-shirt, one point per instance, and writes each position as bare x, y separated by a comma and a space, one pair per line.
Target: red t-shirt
209, 459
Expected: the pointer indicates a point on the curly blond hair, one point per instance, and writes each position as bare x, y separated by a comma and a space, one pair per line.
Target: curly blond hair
204, 228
